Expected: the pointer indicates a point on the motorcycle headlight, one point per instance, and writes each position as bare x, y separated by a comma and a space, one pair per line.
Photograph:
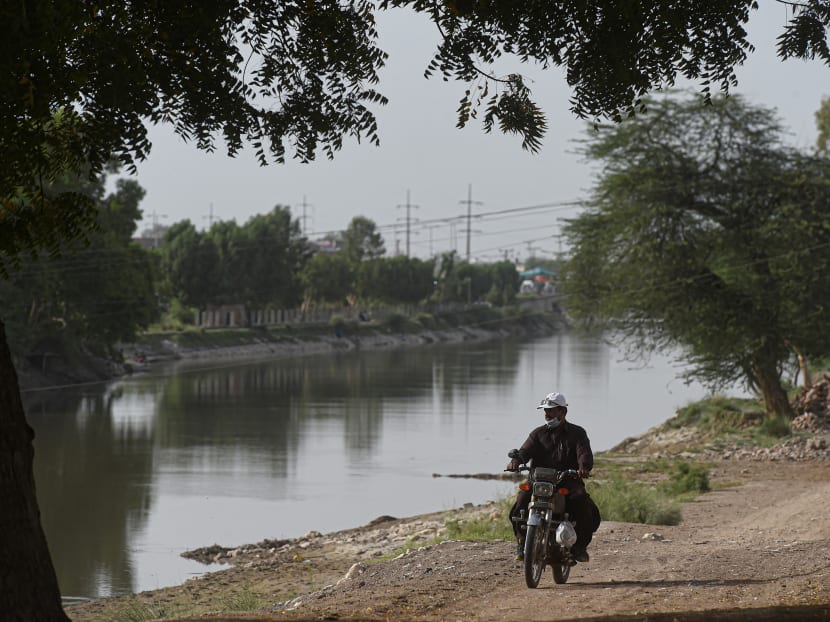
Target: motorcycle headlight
543, 489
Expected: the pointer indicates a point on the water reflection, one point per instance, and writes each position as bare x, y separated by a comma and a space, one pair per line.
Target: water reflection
92, 464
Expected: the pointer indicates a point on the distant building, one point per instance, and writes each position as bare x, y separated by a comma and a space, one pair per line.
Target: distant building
326, 245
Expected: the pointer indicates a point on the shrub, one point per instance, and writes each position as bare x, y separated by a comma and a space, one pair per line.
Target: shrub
686, 478
620, 500
181, 314
776, 427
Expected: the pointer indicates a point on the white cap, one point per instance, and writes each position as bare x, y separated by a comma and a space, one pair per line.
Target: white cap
552, 400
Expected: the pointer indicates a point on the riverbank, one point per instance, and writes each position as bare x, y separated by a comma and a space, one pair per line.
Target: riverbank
741, 552
473, 325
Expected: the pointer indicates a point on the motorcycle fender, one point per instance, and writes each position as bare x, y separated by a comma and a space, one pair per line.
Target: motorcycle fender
534, 519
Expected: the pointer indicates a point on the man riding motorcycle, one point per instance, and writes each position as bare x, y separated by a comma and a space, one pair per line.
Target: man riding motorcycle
561, 445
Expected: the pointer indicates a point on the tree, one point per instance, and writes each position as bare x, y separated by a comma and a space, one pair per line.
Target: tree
395, 280
506, 281
257, 263
190, 264
86, 298
707, 232
275, 252
328, 278
80, 80
361, 240
823, 127
229, 240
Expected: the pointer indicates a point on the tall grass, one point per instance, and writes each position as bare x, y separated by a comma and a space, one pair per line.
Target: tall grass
633, 502
687, 479
137, 611
246, 600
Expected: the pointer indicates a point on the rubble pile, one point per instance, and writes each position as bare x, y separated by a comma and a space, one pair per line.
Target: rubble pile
815, 448
812, 407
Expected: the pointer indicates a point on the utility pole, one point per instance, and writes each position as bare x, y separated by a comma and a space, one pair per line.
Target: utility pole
304, 205
469, 203
156, 233
408, 207
209, 216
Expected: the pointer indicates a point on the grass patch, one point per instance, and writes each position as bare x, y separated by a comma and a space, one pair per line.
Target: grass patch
485, 528
136, 611
687, 480
774, 427
626, 496
633, 502
718, 415
246, 600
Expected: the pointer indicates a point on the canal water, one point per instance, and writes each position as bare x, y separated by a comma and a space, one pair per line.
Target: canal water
132, 473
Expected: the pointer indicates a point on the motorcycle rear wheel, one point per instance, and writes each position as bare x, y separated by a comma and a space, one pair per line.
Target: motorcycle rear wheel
536, 544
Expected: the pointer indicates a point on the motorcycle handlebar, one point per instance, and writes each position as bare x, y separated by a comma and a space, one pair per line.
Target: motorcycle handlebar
523, 468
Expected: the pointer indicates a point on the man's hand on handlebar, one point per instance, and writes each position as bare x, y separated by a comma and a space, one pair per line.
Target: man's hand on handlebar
515, 460
584, 474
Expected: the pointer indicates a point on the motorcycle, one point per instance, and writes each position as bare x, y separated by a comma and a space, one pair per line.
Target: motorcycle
549, 532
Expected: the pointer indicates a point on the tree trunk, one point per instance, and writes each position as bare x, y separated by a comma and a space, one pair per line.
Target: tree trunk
768, 381
804, 367
28, 585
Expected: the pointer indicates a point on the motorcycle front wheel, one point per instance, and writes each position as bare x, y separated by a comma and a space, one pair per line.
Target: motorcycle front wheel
536, 544
561, 572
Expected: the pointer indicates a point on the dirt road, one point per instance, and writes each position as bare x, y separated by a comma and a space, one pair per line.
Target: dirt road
765, 543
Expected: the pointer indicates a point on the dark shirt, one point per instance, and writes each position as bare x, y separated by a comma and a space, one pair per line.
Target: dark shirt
566, 447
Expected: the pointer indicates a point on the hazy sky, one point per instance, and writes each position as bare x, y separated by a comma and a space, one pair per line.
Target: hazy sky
423, 153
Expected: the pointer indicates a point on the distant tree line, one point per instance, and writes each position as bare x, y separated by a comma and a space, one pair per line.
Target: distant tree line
267, 263
111, 289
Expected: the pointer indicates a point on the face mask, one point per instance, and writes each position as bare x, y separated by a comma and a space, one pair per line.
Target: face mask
553, 423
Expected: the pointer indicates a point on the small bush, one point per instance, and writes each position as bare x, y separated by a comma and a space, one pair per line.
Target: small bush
776, 427
686, 478
620, 500
182, 315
